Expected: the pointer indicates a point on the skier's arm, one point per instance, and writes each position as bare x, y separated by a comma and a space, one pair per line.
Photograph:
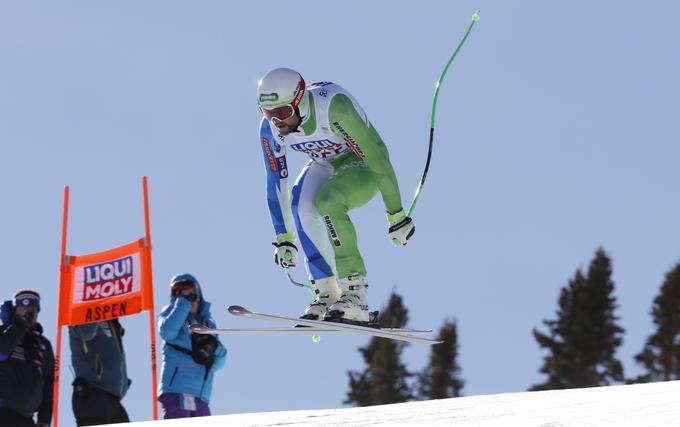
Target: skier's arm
366, 143
278, 191
170, 325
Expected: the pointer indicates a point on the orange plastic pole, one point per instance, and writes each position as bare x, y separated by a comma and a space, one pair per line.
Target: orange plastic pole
62, 268
152, 314
64, 227
147, 227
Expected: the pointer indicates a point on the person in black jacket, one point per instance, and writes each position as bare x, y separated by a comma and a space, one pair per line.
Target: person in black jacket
101, 374
26, 363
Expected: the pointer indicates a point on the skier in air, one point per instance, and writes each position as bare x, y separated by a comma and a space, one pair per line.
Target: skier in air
349, 165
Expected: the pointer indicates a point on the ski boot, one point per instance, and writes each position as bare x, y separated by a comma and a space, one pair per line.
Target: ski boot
326, 294
351, 307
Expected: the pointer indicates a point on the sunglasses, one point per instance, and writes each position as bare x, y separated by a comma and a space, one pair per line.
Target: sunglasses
280, 113
191, 297
179, 287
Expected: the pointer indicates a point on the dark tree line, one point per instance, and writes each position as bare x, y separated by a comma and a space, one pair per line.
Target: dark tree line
387, 380
441, 378
581, 344
582, 341
661, 355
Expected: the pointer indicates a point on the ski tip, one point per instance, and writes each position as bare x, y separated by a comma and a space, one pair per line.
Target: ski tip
238, 310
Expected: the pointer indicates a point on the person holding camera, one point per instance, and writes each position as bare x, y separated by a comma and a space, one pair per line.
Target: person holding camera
26, 363
189, 360
101, 380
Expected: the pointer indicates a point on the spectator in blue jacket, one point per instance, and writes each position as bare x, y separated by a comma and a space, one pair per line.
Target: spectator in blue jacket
101, 380
189, 360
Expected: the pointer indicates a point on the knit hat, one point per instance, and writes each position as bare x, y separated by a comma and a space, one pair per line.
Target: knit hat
26, 298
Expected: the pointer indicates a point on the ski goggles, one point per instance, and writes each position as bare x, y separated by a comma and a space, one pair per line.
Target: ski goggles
179, 287
280, 113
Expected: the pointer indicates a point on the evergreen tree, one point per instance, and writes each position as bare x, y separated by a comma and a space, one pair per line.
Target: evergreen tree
585, 336
440, 379
385, 379
661, 354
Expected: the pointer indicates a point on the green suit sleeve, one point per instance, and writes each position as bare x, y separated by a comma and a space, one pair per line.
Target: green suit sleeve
365, 141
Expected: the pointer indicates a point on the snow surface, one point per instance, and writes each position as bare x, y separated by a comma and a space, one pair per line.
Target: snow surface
639, 405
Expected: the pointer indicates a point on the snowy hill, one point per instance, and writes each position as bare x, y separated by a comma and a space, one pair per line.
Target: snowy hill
639, 405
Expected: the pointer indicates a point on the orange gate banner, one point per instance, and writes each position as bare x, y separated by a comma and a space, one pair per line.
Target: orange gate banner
106, 285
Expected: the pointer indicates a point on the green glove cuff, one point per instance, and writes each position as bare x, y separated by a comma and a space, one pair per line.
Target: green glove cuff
285, 237
396, 217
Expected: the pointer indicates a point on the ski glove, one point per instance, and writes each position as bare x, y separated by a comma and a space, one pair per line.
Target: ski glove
401, 227
285, 253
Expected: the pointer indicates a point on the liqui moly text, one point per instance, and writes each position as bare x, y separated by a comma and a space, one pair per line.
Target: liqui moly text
108, 279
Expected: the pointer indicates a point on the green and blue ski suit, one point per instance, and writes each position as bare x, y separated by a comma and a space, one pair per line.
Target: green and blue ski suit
349, 165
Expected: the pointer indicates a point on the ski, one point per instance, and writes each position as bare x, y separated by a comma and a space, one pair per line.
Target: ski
239, 311
202, 329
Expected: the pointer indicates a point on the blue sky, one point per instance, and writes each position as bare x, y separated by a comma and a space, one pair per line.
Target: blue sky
556, 134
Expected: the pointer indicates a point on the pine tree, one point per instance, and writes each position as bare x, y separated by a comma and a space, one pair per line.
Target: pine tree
661, 354
440, 379
585, 336
385, 379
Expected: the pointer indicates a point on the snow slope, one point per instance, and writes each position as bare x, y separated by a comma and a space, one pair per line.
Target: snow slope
639, 405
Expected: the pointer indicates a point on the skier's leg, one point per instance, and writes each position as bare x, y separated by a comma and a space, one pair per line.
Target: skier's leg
318, 260
352, 186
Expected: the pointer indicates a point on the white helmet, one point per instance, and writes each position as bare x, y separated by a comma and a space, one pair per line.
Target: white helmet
281, 86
